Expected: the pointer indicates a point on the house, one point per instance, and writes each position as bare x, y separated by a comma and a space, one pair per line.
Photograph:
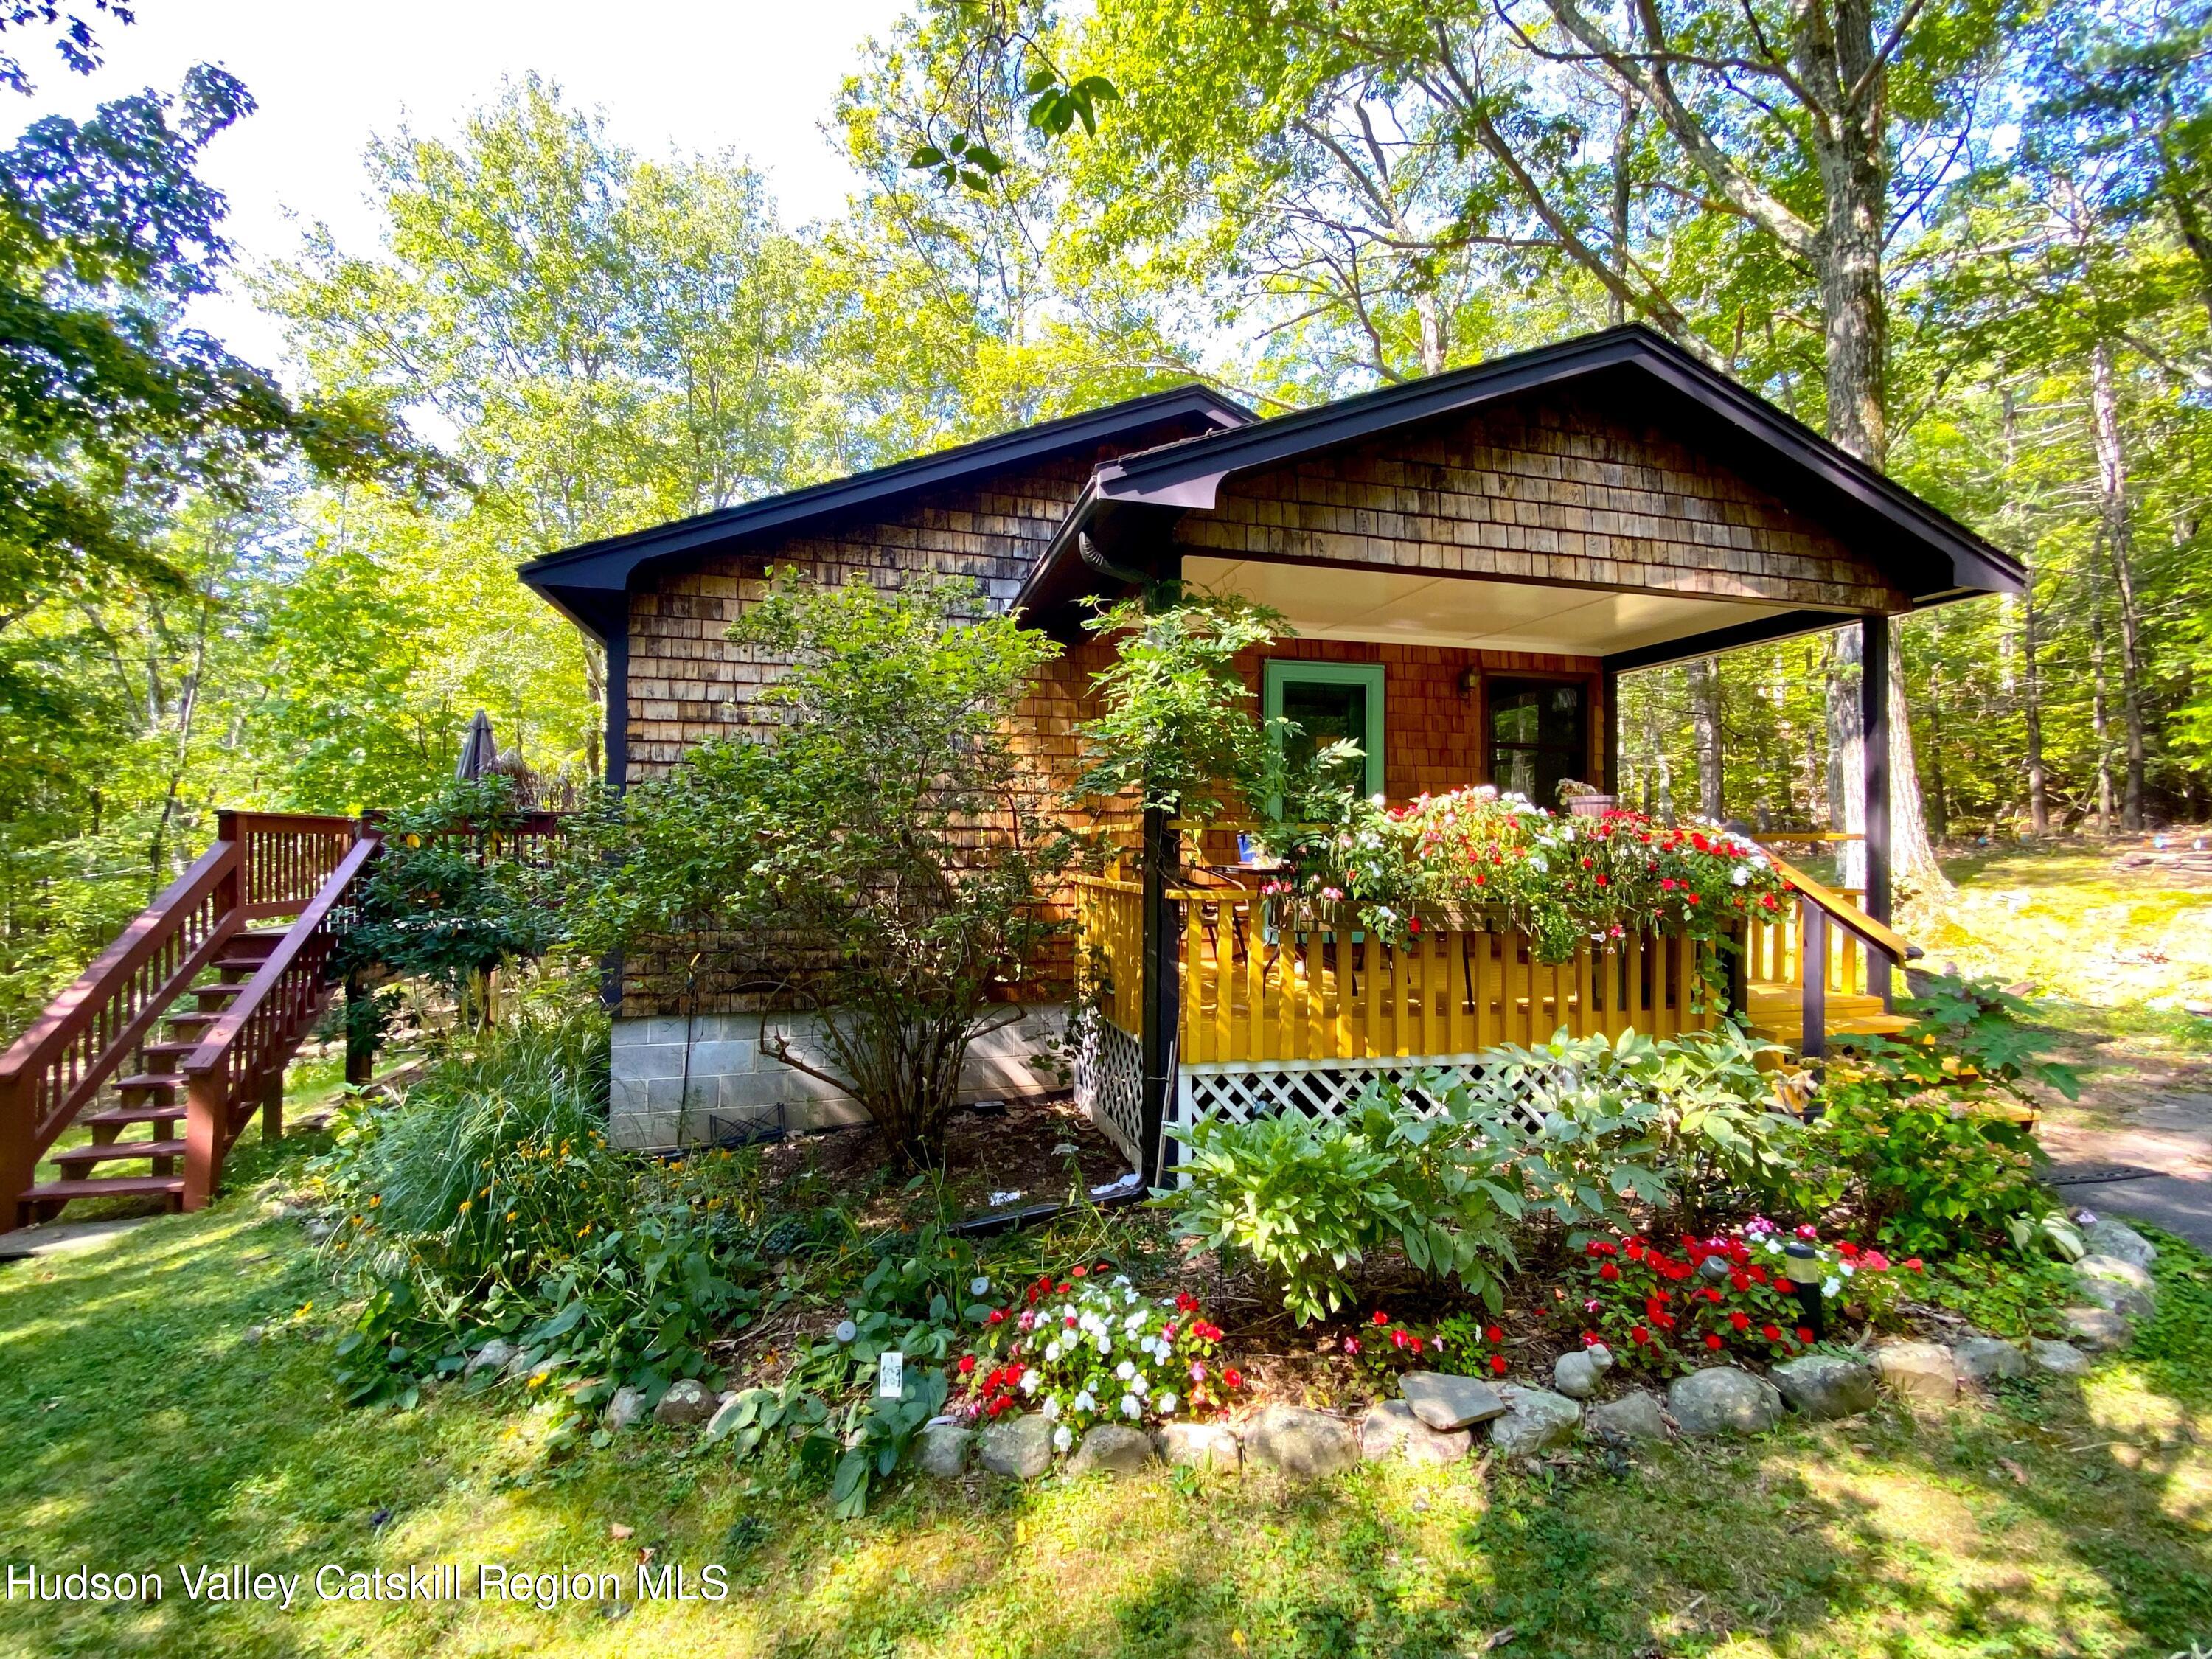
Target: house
1470, 562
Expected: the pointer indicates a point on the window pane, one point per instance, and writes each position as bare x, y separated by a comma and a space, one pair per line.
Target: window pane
1325, 713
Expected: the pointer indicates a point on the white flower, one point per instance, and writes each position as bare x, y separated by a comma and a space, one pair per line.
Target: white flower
1051, 1352
1083, 1402
1831, 1286
1139, 1386
1120, 1278
1051, 1407
1166, 1404
1062, 1437
1105, 1343
1125, 1370
1028, 1382
1845, 1269
1135, 1321
1132, 1406
1739, 875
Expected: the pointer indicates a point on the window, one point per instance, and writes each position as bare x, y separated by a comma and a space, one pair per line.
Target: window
1327, 701
1537, 737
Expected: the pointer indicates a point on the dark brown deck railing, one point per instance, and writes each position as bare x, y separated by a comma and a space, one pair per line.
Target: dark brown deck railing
262, 865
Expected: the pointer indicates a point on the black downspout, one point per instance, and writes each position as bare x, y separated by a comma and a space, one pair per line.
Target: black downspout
617, 642
1874, 725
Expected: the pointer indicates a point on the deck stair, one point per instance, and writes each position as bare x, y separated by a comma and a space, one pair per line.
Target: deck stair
182, 1028
1823, 969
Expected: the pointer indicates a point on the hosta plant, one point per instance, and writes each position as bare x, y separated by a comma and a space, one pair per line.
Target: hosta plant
1091, 1349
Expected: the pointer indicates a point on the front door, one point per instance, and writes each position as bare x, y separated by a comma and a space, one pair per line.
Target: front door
1539, 736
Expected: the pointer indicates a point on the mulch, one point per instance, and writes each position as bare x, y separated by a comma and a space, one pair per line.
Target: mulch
1026, 1150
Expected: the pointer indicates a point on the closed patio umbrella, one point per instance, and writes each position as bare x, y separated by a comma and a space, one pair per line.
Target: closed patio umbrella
478, 751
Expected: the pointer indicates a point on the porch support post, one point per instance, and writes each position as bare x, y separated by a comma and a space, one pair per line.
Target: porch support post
1162, 999
1873, 724
1610, 693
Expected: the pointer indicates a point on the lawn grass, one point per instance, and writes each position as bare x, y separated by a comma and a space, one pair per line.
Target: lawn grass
145, 1430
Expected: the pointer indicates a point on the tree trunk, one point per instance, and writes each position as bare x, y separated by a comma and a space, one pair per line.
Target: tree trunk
2031, 702
1939, 795
1913, 867
2119, 550
1662, 775
1706, 724
2100, 719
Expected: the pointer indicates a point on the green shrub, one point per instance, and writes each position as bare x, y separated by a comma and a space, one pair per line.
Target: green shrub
486, 1202
1306, 1200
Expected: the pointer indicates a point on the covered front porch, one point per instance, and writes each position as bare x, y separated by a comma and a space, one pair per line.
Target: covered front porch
1469, 564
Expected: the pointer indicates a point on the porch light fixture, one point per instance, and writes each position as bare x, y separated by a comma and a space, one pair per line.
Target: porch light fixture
1468, 680
1803, 1268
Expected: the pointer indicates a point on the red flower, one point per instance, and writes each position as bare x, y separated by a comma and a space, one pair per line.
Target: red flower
1102, 1266
1381, 1318
1498, 1363
1079, 1273
1913, 1262
1413, 924
1771, 1333
1233, 1378
1689, 898
1758, 1275
1804, 1334
998, 1316
1186, 1302
967, 1365
1640, 1336
1741, 1280
1742, 1321
1609, 1273
1415, 1344
1590, 1338
1714, 1343
1491, 1333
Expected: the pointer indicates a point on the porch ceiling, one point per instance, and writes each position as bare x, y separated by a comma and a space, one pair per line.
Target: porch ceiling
1326, 602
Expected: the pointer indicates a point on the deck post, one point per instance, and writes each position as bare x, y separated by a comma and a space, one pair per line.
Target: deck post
1162, 1003
1813, 979
1873, 724
1609, 756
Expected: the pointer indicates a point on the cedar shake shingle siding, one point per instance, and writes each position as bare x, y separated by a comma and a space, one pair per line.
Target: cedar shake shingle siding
1546, 489
688, 683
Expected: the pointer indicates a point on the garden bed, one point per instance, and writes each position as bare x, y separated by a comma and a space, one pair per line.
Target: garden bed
1031, 1150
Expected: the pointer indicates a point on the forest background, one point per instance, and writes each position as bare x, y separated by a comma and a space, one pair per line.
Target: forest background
1971, 240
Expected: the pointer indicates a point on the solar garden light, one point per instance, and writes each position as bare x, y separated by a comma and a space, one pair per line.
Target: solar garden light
1803, 1268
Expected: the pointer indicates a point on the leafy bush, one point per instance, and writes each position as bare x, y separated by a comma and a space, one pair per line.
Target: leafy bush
1177, 726
487, 1203
877, 856
1306, 1199
1687, 1123
446, 899
1303, 1200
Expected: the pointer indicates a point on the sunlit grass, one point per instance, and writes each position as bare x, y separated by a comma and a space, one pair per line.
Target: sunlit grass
142, 1428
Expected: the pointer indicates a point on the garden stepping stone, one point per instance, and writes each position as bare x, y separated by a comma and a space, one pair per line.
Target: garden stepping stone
1635, 1416
1723, 1399
2117, 1239
1112, 1448
1391, 1429
1922, 1372
688, 1400
494, 1356
627, 1409
2061, 1358
1576, 1375
1983, 1359
1020, 1447
1823, 1386
1199, 1445
1442, 1402
1303, 1443
945, 1448
1535, 1419
2098, 1328
2119, 1286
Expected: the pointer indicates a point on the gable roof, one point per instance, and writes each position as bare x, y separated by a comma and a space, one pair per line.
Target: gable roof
587, 582
1930, 555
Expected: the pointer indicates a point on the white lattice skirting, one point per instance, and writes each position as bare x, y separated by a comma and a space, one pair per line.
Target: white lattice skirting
1110, 1083
1241, 1090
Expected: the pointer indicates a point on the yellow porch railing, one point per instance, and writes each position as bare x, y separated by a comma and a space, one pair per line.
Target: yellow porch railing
1258, 983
